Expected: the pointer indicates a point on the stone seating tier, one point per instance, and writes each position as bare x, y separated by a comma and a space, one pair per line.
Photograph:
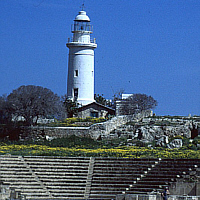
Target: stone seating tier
90, 178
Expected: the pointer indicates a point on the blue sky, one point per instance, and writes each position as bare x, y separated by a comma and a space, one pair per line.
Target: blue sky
150, 47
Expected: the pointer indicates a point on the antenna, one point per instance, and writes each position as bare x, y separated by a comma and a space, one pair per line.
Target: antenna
83, 6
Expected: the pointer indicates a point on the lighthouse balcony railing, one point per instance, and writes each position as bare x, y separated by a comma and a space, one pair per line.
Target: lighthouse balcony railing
92, 40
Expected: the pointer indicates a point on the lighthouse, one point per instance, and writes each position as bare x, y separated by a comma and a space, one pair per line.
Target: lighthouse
80, 80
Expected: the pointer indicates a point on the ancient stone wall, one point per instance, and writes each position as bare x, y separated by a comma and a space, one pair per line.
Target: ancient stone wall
159, 129
59, 132
104, 129
95, 131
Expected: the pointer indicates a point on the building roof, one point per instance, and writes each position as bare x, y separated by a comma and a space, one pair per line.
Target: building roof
97, 104
82, 17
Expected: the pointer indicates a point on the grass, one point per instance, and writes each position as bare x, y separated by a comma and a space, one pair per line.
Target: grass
86, 147
73, 122
124, 152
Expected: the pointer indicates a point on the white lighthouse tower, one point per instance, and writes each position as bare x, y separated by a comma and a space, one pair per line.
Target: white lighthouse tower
80, 81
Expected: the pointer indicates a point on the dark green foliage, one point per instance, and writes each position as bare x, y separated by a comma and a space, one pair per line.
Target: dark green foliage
196, 140
24, 106
76, 122
71, 107
10, 131
5, 110
70, 141
100, 99
85, 142
74, 141
137, 103
141, 144
32, 102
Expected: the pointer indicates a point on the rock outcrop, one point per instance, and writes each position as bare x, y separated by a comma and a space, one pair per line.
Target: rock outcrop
159, 129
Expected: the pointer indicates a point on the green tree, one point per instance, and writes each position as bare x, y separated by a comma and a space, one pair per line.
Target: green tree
9, 129
100, 99
137, 103
5, 110
33, 102
71, 107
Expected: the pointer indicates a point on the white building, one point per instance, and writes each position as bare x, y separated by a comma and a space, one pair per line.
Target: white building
80, 81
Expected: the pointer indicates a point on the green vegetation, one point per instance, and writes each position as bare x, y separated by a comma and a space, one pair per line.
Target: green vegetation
131, 152
73, 122
82, 146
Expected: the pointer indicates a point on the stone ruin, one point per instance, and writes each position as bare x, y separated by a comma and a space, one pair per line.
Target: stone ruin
142, 127
159, 130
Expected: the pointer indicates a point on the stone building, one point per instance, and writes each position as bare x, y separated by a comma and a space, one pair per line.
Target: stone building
95, 110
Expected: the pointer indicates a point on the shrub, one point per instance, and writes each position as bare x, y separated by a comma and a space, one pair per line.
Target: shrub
71, 121
178, 137
192, 146
196, 140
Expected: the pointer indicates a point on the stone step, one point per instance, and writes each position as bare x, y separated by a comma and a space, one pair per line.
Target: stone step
57, 159
69, 171
143, 190
159, 176
58, 164
117, 172
35, 195
9, 158
16, 172
60, 180
55, 176
25, 186
140, 192
9, 167
125, 163
19, 182
149, 186
46, 166
11, 180
68, 194
12, 163
152, 182
117, 169
154, 179
104, 183
118, 159
108, 188
71, 190
168, 169
109, 192
117, 176
102, 196
14, 169
31, 190
18, 175
21, 177
62, 184
58, 173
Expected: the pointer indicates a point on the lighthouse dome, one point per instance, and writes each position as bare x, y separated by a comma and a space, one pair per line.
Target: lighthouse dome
82, 17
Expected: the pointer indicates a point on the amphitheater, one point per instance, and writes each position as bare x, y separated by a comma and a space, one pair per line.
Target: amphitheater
60, 178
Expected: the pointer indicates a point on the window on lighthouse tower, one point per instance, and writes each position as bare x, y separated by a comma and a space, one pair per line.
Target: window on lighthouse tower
75, 93
76, 73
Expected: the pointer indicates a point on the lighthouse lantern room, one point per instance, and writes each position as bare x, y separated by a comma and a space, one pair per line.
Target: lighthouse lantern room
80, 80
